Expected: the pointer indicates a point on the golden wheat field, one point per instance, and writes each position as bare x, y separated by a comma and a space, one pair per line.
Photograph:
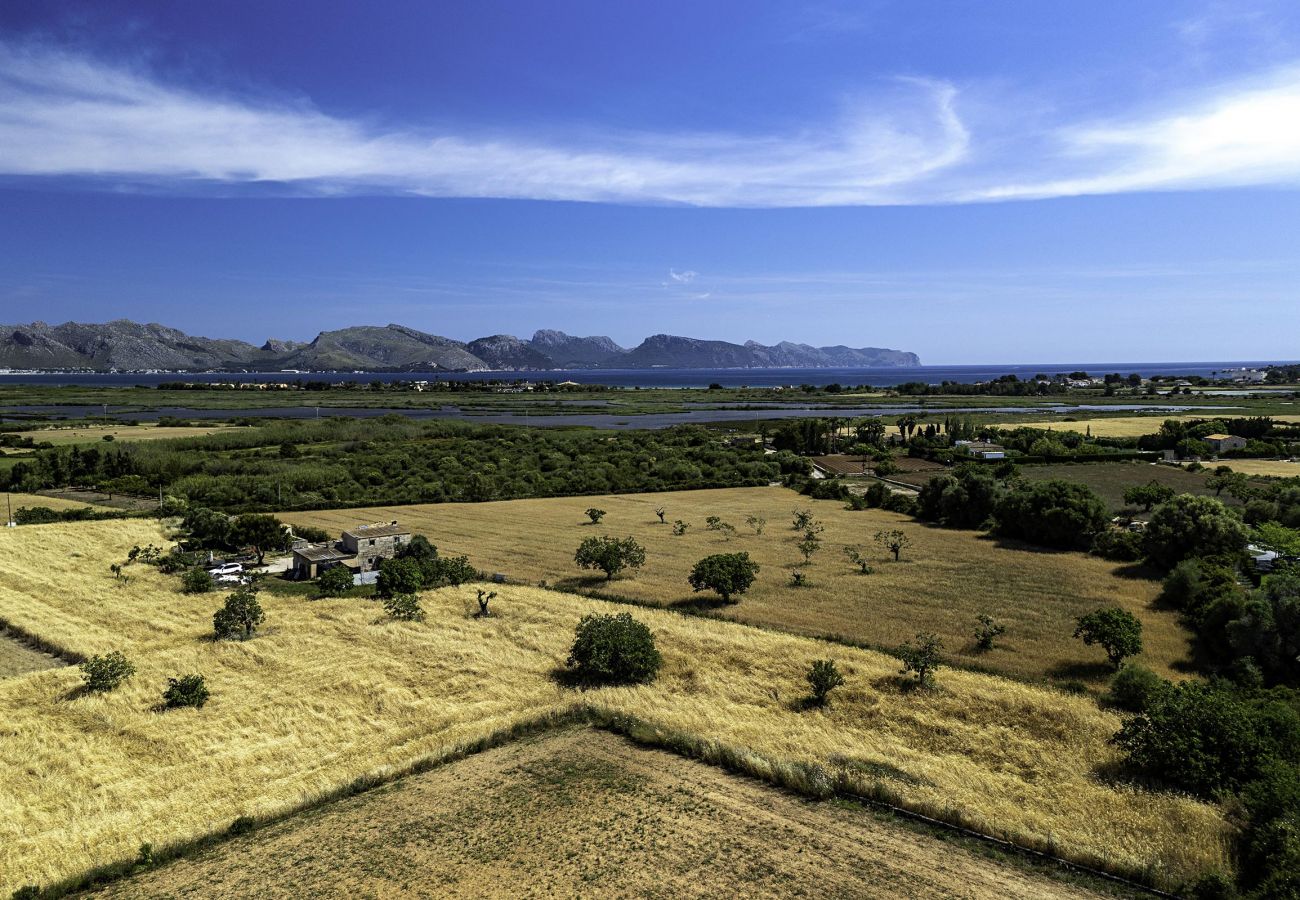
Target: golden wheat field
581, 812
17, 501
1279, 468
330, 691
943, 582
1121, 426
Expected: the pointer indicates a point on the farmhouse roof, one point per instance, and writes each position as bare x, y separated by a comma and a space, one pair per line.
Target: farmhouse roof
378, 530
321, 553
1217, 437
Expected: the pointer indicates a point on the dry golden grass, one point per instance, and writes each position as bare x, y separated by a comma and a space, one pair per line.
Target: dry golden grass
1280, 468
1121, 426
331, 691
146, 431
34, 500
944, 581
16, 657
580, 812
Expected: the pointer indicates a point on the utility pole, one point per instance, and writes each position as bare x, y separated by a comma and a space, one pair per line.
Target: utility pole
9, 522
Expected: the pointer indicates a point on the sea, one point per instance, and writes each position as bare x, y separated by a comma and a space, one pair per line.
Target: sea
664, 377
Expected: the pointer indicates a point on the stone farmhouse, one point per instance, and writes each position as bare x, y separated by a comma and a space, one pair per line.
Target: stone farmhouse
360, 549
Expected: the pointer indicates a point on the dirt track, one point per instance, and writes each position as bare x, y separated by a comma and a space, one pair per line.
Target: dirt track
586, 813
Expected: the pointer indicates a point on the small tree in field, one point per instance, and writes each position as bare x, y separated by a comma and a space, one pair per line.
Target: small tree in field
808, 546
894, 541
803, 520
197, 581
334, 581
1117, 630
725, 573
404, 607
595, 515
922, 656
715, 523
661, 512
613, 649
823, 678
798, 579
758, 523
105, 673
987, 631
240, 615
484, 598
610, 555
859, 559
188, 690
679, 527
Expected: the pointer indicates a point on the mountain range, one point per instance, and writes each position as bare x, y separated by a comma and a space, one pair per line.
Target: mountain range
124, 345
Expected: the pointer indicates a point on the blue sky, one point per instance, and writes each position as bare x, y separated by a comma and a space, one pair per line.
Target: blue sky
974, 181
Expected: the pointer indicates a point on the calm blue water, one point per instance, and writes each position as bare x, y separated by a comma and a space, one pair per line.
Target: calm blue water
878, 377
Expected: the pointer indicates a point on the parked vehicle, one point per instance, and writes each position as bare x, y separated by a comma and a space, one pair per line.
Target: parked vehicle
227, 569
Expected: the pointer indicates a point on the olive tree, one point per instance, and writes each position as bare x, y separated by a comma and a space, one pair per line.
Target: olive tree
859, 559
823, 677
610, 555
240, 615
1117, 630
922, 656
105, 673
727, 574
1189, 526
893, 540
334, 581
613, 649
595, 515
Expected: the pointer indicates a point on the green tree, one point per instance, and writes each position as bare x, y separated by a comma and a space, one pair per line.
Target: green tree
893, 540
613, 649
240, 615
823, 677
1189, 526
261, 532
404, 607
802, 520
1056, 513
1148, 495
418, 549
808, 546
105, 673
197, 581
188, 690
756, 522
923, 655
334, 581
610, 555
679, 527
595, 515
1268, 629
399, 576
727, 574
1117, 630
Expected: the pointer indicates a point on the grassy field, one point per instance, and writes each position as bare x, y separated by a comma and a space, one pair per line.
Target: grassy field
16, 657
1279, 468
1110, 479
944, 581
34, 500
62, 436
586, 813
333, 691
1124, 426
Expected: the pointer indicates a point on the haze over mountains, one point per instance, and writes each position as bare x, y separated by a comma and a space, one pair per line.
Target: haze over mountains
131, 346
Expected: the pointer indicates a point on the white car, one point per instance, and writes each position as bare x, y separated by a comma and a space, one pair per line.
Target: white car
227, 569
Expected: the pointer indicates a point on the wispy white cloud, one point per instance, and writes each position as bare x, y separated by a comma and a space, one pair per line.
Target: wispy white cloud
685, 277
64, 114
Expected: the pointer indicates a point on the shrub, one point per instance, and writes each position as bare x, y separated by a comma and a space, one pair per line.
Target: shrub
595, 515
1117, 630
1118, 545
1134, 687
725, 573
105, 673
1153, 493
802, 520
613, 649
334, 581
240, 615
823, 678
1196, 737
1063, 514
311, 534
808, 546
798, 579
404, 607
197, 581
679, 527
922, 656
188, 690
858, 557
758, 523
1189, 526
610, 555
448, 570
987, 631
